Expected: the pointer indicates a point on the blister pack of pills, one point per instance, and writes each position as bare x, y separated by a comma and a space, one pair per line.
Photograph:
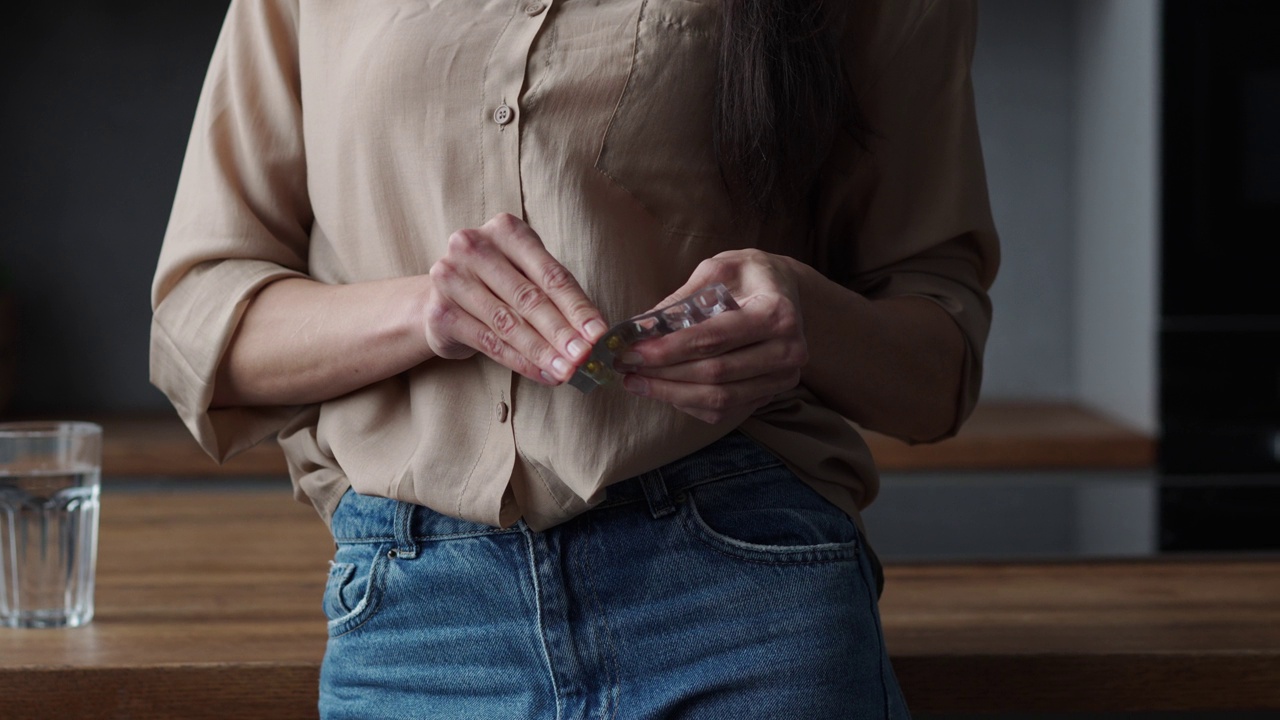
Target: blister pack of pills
702, 305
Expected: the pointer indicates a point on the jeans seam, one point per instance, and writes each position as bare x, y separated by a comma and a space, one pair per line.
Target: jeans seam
542, 633
584, 565
736, 472
464, 535
880, 643
699, 483
371, 602
427, 538
809, 555
335, 584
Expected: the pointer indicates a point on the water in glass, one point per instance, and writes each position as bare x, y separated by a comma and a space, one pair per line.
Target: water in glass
48, 546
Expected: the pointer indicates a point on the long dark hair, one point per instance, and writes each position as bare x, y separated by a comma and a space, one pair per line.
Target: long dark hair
782, 96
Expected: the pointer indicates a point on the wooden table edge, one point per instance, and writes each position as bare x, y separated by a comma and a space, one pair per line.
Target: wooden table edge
958, 683
1000, 436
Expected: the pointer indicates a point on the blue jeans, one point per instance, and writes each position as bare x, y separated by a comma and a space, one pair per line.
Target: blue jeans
719, 586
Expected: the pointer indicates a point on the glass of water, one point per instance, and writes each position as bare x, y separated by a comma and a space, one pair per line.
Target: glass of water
49, 483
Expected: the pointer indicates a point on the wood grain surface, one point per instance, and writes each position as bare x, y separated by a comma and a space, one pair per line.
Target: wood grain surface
1024, 436
999, 436
209, 607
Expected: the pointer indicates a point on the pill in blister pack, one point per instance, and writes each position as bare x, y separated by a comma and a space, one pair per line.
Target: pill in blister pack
598, 368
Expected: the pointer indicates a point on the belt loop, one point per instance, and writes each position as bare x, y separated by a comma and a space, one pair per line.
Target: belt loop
405, 545
655, 493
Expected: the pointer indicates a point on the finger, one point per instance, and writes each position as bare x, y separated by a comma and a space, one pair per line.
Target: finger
484, 339
507, 283
724, 398
474, 297
725, 268
543, 314
744, 363
708, 272
718, 335
528, 254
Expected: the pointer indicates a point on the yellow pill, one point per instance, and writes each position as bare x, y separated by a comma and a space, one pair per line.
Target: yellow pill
614, 342
593, 366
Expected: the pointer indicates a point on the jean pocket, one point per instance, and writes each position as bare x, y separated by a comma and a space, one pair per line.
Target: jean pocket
356, 585
658, 145
769, 515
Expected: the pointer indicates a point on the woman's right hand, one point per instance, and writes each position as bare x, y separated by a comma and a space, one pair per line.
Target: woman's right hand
499, 292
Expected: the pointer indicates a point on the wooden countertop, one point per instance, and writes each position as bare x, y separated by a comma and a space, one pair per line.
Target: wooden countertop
999, 436
209, 607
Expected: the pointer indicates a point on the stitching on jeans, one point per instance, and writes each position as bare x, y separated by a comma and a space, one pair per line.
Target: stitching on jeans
537, 605
656, 496
369, 604
404, 530
439, 536
875, 616
365, 540
837, 556
465, 535
585, 567
715, 478
733, 474
842, 552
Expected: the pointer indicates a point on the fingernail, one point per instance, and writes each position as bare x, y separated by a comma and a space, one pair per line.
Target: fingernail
560, 366
578, 348
595, 329
636, 384
631, 358
548, 378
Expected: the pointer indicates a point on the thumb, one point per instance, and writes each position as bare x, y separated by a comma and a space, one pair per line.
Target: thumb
708, 272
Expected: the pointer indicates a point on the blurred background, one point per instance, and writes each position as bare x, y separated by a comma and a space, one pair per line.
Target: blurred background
1133, 155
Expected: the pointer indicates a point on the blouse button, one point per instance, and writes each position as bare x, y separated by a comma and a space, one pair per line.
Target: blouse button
534, 8
500, 411
503, 114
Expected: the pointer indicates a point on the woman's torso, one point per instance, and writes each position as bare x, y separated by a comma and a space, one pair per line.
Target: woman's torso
604, 148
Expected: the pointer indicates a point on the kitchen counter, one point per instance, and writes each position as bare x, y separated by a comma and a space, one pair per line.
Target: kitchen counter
209, 607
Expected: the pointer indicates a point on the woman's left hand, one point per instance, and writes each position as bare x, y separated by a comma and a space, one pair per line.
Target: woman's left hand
734, 363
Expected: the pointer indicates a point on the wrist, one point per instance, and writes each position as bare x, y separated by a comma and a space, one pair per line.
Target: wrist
808, 284
417, 291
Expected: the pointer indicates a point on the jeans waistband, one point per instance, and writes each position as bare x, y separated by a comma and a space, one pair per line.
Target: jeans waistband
732, 455
402, 525
361, 518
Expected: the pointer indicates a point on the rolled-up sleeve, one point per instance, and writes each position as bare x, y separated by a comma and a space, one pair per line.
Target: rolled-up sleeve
241, 219
908, 213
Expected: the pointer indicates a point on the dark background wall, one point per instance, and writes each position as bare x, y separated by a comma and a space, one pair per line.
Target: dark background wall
98, 99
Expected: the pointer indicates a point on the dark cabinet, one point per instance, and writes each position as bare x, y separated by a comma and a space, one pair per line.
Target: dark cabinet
1220, 277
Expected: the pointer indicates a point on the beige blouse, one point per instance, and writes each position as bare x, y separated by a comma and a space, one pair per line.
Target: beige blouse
344, 141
